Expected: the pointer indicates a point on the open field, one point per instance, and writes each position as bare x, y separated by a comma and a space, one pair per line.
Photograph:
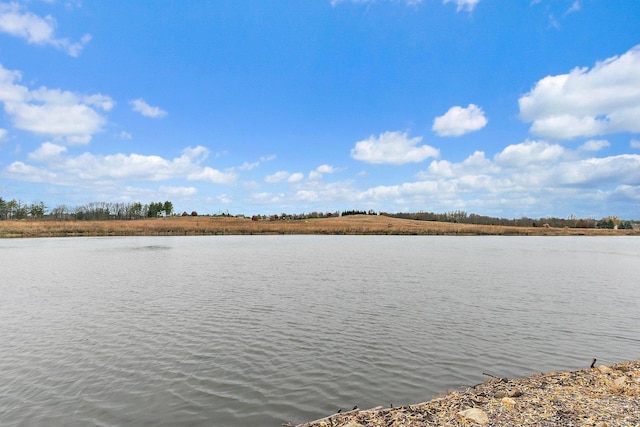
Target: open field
204, 225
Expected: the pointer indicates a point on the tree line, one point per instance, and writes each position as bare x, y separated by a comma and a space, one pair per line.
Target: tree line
14, 209
464, 218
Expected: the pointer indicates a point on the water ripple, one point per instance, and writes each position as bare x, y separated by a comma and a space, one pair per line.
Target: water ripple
243, 331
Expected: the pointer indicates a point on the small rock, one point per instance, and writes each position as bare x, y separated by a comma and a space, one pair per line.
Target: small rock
509, 393
515, 393
474, 414
604, 369
508, 402
619, 382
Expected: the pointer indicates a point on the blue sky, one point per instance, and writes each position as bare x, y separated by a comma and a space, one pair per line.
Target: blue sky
506, 108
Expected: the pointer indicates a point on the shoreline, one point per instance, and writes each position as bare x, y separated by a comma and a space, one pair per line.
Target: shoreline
596, 396
349, 225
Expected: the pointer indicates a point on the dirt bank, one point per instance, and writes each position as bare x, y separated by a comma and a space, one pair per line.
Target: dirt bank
600, 396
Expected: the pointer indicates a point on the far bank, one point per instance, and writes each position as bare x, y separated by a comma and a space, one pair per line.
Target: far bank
346, 225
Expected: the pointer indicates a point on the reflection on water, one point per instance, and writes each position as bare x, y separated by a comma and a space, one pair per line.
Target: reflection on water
266, 329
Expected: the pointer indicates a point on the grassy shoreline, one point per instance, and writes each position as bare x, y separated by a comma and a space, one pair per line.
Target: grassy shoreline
349, 225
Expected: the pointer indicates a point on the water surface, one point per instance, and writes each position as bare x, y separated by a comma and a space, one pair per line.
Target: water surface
260, 330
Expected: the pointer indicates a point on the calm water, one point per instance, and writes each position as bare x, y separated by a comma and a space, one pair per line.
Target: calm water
257, 331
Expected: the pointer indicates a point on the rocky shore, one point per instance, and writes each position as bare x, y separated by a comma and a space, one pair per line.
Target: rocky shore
596, 396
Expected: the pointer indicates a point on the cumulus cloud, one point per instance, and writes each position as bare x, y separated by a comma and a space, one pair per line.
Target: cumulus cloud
634, 143
534, 178
58, 168
276, 177
466, 5
325, 169
19, 22
46, 152
527, 153
282, 176
594, 145
52, 112
140, 106
394, 148
458, 121
213, 176
537, 175
250, 166
295, 177
587, 102
3, 134
321, 170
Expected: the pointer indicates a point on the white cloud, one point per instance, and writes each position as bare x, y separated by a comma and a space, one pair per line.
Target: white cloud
140, 106
87, 169
476, 164
178, 191
325, 169
313, 175
394, 148
47, 151
635, 143
537, 176
527, 153
458, 121
277, 177
575, 7
534, 178
321, 170
52, 112
19, 22
466, 5
3, 134
622, 169
587, 102
266, 198
213, 176
595, 145
249, 166
224, 199
295, 177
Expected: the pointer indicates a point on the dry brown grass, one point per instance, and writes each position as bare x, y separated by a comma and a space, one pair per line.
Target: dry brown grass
355, 224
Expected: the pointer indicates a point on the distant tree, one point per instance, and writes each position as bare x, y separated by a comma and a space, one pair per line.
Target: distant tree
194, 213
625, 225
167, 207
3, 209
37, 210
11, 206
60, 212
155, 209
606, 223
17, 210
135, 210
